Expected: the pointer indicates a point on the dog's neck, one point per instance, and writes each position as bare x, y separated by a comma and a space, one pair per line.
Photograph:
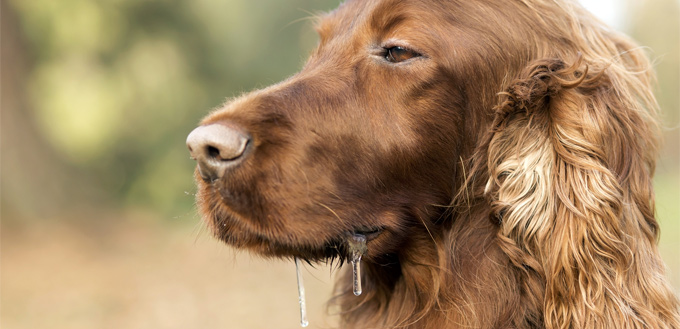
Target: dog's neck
459, 278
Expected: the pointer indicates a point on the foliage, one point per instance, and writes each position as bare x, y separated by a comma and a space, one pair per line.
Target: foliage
117, 85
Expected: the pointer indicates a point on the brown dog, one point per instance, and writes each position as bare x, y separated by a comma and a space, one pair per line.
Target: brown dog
497, 156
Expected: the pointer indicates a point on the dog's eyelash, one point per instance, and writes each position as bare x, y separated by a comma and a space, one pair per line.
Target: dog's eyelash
399, 54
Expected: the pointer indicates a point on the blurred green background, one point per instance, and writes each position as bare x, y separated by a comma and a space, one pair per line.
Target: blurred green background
98, 225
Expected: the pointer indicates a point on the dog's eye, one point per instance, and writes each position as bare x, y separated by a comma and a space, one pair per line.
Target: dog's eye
399, 54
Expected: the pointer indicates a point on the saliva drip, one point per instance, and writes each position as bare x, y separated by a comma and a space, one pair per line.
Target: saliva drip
356, 274
301, 294
357, 248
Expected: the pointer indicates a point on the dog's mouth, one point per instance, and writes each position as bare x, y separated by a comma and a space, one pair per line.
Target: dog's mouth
341, 249
346, 246
369, 232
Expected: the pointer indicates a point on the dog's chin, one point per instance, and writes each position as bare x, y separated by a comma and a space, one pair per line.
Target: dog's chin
312, 253
277, 239
311, 248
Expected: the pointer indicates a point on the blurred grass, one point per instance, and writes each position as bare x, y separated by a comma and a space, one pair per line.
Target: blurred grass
98, 224
114, 87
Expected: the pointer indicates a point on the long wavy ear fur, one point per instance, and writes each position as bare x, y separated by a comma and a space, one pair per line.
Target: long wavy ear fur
570, 165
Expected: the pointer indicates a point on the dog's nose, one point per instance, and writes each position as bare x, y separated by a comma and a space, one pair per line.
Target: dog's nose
216, 147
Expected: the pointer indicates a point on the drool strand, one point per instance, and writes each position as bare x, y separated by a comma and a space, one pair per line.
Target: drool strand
301, 294
357, 246
356, 274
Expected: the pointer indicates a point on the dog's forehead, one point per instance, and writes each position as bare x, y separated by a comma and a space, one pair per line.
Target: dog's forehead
375, 15
344, 18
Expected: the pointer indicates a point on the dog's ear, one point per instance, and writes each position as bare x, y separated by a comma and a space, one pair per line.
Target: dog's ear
570, 161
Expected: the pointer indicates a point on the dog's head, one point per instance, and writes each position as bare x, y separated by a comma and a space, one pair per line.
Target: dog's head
373, 135
367, 139
404, 104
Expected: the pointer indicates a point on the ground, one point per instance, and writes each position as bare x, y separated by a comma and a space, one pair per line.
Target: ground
142, 273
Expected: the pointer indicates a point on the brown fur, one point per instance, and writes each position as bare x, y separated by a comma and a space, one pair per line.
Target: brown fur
509, 167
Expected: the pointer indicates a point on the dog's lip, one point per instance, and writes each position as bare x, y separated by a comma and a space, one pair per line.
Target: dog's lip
369, 232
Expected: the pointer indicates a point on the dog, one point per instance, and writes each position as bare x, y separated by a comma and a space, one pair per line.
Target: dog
496, 156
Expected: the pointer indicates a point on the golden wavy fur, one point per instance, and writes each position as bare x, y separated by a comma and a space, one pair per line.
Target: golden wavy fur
500, 162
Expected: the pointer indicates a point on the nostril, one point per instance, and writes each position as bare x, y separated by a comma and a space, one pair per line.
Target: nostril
213, 152
215, 147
